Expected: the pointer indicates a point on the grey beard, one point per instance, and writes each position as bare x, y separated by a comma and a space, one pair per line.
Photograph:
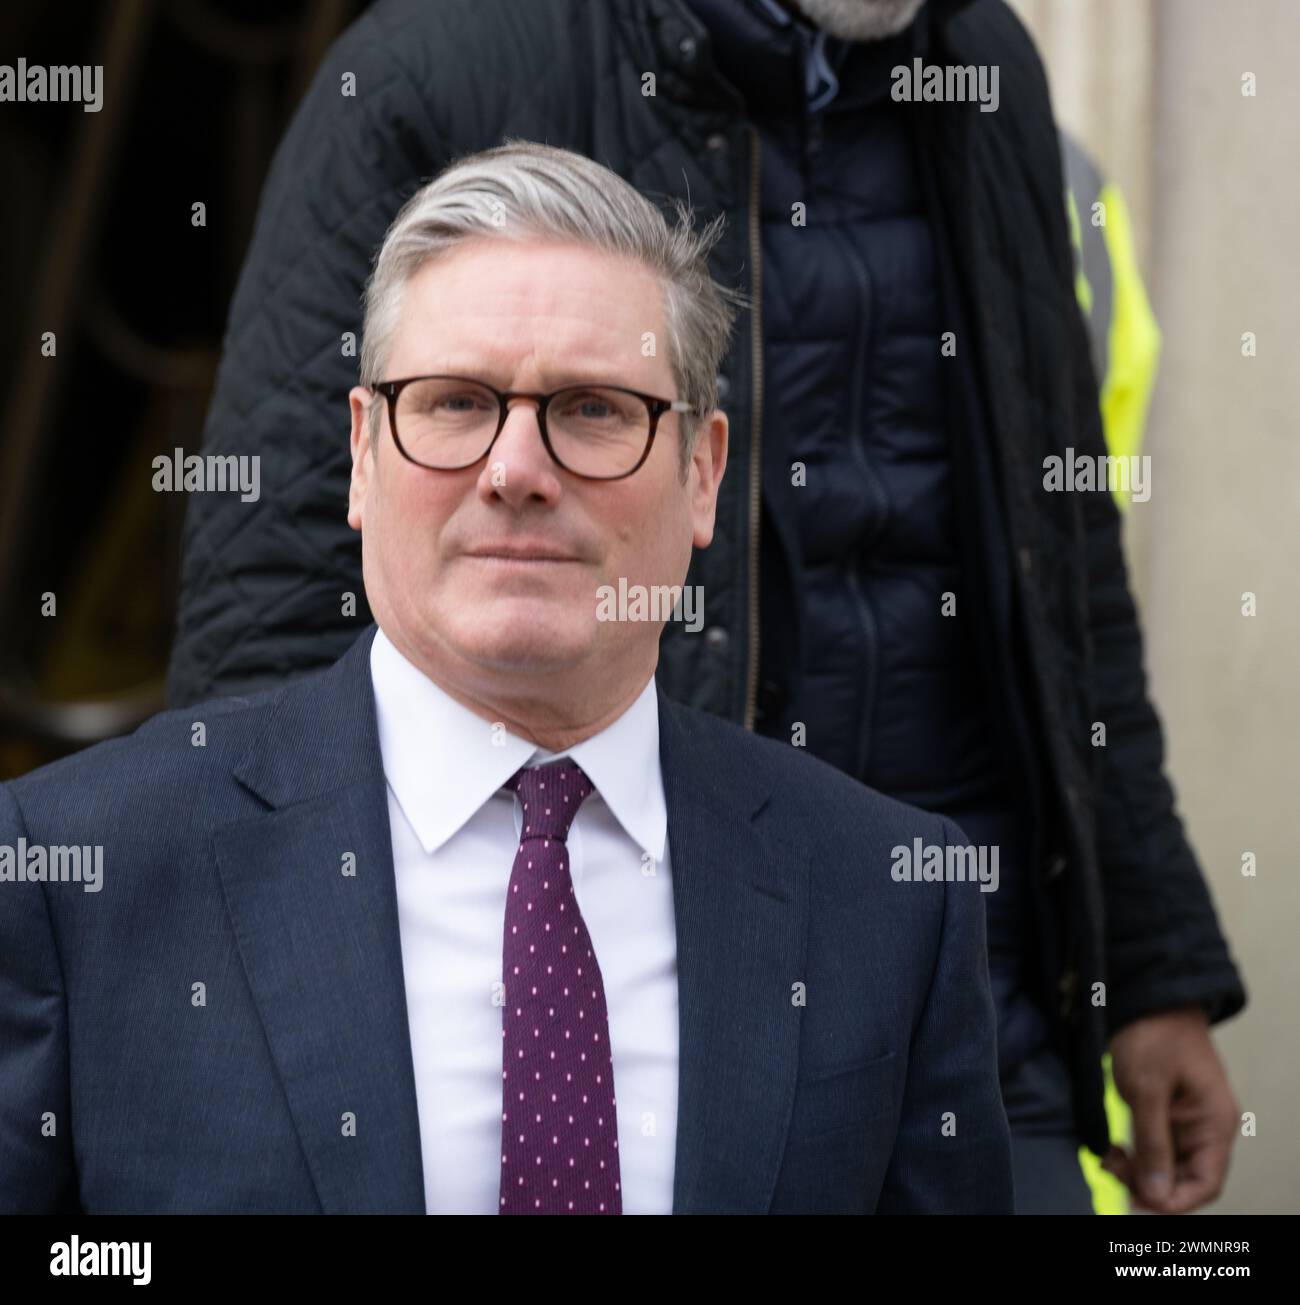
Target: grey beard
860, 20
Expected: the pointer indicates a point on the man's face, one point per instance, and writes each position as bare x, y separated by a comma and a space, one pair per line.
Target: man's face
531, 317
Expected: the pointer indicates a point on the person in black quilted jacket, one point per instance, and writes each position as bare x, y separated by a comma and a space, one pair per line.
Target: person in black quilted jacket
895, 583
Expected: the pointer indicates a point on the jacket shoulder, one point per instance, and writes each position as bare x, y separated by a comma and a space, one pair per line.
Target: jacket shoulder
171, 759
464, 42
799, 781
989, 31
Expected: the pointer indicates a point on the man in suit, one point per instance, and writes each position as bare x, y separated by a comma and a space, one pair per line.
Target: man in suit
477, 920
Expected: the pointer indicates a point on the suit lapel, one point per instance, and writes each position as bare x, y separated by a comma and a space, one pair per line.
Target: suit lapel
740, 900
321, 950
321, 947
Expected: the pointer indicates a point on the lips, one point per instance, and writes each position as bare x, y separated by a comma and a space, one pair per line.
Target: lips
522, 553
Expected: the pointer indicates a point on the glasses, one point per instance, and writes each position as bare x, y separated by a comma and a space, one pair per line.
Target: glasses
599, 432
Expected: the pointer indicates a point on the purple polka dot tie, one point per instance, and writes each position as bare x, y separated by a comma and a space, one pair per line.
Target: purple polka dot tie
559, 1131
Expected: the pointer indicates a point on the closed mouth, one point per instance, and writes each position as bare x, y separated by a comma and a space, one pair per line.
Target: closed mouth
512, 555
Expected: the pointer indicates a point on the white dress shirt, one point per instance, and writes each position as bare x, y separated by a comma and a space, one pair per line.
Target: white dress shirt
455, 831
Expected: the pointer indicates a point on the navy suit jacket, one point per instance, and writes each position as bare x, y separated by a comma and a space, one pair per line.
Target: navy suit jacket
837, 1035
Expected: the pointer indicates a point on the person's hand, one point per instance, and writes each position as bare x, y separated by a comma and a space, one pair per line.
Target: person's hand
1184, 1113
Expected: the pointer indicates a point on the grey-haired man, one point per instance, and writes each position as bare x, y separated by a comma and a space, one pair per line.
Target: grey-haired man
477, 920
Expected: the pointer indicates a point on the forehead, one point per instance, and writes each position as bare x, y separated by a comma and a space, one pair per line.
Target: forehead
498, 305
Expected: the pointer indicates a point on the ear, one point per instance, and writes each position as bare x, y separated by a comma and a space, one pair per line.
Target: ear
708, 462
359, 401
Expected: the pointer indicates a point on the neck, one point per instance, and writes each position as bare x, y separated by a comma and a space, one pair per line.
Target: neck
555, 710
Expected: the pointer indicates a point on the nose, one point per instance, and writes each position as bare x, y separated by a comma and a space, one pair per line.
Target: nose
518, 468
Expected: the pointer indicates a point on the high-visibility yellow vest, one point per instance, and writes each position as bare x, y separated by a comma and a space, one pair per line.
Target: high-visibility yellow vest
1122, 329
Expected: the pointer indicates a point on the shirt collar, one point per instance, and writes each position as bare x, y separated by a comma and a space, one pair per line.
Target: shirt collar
775, 12
820, 81
781, 63
443, 762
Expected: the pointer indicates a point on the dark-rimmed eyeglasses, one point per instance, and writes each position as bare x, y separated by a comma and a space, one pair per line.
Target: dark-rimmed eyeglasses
598, 432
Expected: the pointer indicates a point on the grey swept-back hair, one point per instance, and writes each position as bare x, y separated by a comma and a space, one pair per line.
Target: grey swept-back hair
521, 190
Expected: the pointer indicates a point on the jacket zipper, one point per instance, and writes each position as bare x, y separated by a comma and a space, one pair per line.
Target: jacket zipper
756, 425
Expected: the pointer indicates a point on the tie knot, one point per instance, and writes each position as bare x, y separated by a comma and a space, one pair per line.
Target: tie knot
551, 796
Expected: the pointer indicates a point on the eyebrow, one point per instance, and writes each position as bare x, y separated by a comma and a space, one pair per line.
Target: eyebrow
549, 384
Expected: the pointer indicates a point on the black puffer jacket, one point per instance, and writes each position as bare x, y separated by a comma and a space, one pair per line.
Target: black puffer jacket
878, 607
262, 583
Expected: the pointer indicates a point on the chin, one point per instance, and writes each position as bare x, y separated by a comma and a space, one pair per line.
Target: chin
535, 647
